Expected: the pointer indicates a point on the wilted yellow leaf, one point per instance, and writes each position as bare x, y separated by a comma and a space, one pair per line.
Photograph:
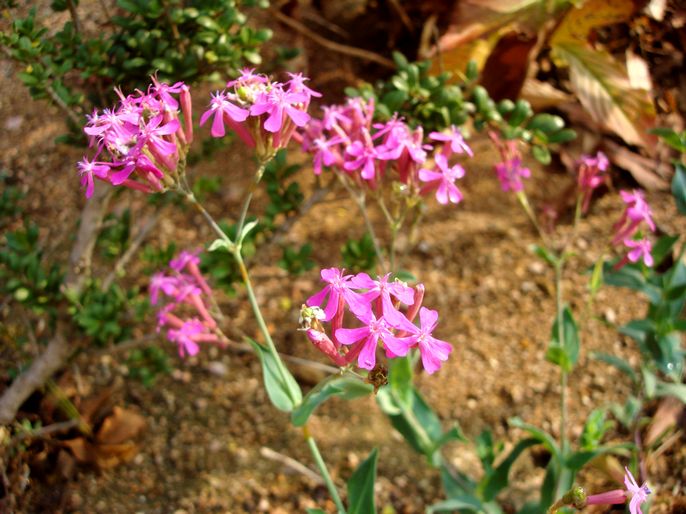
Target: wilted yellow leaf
579, 21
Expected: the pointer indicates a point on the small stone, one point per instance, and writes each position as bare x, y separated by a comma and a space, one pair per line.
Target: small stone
217, 368
537, 267
528, 287
610, 315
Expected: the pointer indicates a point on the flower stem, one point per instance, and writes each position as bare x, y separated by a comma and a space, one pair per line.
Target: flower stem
260, 320
561, 338
361, 204
312, 444
248, 198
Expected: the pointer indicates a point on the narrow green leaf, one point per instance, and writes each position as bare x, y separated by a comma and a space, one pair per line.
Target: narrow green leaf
361, 486
347, 388
564, 353
283, 391
670, 389
545, 438
467, 503
497, 480
618, 363
679, 187
315, 511
218, 244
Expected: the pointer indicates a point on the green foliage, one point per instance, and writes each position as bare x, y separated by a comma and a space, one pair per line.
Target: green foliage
156, 259
340, 386
146, 364
189, 41
282, 389
205, 186
361, 486
285, 195
114, 237
25, 275
220, 266
10, 197
564, 341
359, 255
296, 262
436, 102
106, 316
657, 335
411, 415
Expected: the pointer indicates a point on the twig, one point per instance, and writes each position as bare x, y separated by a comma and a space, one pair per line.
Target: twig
131, 250
74, 16
58, 349
331, 45
291, 463
402, 13
62, 426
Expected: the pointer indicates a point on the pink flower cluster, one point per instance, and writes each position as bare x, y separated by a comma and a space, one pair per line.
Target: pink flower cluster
509, 170
591, 175
138, 144
636, 213
638, 495
347, 140
262, 113
184, 285
375, 304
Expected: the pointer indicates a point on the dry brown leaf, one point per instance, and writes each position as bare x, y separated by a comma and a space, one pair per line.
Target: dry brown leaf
506, 68
667, 415
647, 172
110, 455
82, 450
121, 426
637, 69
579, 22
603, 88
543, 96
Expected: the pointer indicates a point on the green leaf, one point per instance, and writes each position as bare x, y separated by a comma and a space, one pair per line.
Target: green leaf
670, 389
547, 123
347, 388
315, 511
543, 437
541, 154
563, 136
564, 353
672, 138
283, 391
618, 363
545, 254
601, 84
361, 486
679, 187
497, 479
218, 244
467, 503
631, 277
663, 248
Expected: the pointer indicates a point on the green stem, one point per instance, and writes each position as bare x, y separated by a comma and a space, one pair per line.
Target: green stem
248, 198
524, 201
260, 320
561, 338
361, 204
312, 444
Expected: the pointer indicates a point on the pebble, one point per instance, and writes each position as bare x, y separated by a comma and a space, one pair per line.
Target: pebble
610, 315
217, 368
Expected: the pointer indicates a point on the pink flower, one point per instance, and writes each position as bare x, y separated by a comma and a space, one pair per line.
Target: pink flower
338, 290
591, 175
373, 330
638, 495
433, 351
221, 106
456, 140
510, 174
443, 181
88, 170
640, 249
636, 212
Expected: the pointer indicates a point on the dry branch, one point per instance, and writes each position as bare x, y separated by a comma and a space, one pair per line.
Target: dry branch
58, 349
